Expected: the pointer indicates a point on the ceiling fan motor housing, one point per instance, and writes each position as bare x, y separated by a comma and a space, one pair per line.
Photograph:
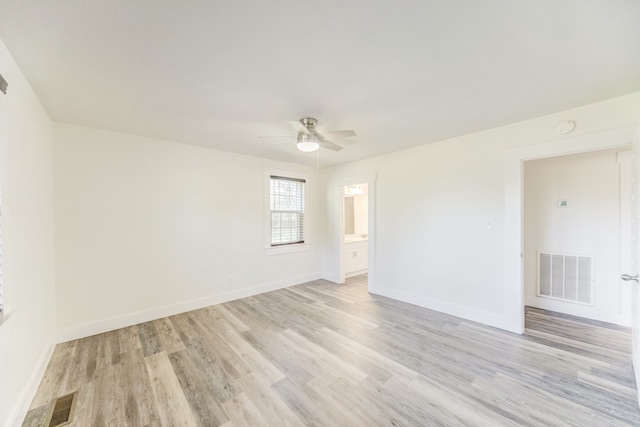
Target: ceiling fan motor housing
309, 122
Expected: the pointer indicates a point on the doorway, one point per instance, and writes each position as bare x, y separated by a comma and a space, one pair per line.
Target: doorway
355, 220
347, 230
514, 300
576, 228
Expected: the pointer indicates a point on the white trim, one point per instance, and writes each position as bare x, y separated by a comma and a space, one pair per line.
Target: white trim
105, 325
24, 402
356, 273
460, 311
581, 310
624, 161
285, 249
513, 272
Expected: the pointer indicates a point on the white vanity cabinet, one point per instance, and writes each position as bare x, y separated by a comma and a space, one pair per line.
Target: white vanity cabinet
355, 255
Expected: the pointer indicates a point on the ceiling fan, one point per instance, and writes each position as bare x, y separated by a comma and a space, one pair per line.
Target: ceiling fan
310, 139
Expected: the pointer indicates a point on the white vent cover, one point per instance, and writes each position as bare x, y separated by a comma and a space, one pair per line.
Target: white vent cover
566, 277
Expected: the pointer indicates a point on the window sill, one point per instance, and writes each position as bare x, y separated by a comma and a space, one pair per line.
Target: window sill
287, 249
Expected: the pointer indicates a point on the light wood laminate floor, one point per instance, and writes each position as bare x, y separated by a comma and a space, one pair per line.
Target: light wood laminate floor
320, 354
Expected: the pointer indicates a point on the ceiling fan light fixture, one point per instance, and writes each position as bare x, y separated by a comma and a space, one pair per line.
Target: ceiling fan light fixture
307, 143
308, 146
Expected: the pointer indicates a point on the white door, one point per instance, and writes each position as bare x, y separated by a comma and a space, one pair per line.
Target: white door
632, 277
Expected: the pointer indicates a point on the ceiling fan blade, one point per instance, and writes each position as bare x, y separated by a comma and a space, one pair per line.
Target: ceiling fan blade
330, 145
339, 133
299, 127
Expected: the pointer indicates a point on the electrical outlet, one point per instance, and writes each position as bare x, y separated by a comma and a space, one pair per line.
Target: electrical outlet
229, 281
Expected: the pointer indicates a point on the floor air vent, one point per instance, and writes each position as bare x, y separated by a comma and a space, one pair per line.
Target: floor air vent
566, 277
61, 410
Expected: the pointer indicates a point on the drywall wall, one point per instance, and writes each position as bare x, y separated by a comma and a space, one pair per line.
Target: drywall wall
360, 213
440, 213
590, 225
26, 335
147, 228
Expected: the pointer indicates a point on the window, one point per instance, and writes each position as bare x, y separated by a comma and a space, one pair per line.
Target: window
286, 211
287, 206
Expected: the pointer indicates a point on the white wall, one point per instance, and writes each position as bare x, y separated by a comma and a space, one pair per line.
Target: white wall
360, 217
147, 228
433, 203
27, 334
590, 225
360, 211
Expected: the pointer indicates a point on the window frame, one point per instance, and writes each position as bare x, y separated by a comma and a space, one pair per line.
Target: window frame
289, 247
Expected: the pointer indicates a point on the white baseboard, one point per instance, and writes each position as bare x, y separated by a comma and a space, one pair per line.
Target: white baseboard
463, 312
330, 277
21, 409
106, 325
579, 310
356, 273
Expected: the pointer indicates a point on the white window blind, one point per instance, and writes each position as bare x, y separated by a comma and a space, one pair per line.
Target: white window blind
286, 197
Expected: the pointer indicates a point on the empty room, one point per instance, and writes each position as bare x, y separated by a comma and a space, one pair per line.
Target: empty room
319, 213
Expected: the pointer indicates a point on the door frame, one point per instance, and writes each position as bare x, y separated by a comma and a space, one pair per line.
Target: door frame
336, 187
514, 196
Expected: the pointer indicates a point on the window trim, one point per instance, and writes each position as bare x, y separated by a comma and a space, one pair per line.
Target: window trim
291, 247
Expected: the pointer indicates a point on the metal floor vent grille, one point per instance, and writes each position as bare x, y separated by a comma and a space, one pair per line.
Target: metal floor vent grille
566, 277
61, 410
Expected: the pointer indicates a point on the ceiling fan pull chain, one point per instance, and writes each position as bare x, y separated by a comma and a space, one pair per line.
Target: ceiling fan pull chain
317, 160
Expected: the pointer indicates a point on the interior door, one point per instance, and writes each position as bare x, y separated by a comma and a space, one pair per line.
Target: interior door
632, 277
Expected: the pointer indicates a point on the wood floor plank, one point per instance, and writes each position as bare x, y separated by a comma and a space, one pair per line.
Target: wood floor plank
198, 389
291, 366
185, 325
140, 405
271, 408
35, 416
542, 408
221, 382
304, 405
108, 350
243, 413
168, 336
320, 354
129, 339
108, 408
342, 369
371, 355
236, 323
212, 345
172, 406
261, 368
84, 407
149, 338
334, 396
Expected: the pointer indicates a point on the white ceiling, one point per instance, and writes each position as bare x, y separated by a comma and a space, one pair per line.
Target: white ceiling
401, 74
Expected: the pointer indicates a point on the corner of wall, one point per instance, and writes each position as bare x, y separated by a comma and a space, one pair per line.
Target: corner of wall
27, 395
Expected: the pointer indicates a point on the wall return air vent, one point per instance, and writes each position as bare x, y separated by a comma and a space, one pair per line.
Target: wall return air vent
566, 277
